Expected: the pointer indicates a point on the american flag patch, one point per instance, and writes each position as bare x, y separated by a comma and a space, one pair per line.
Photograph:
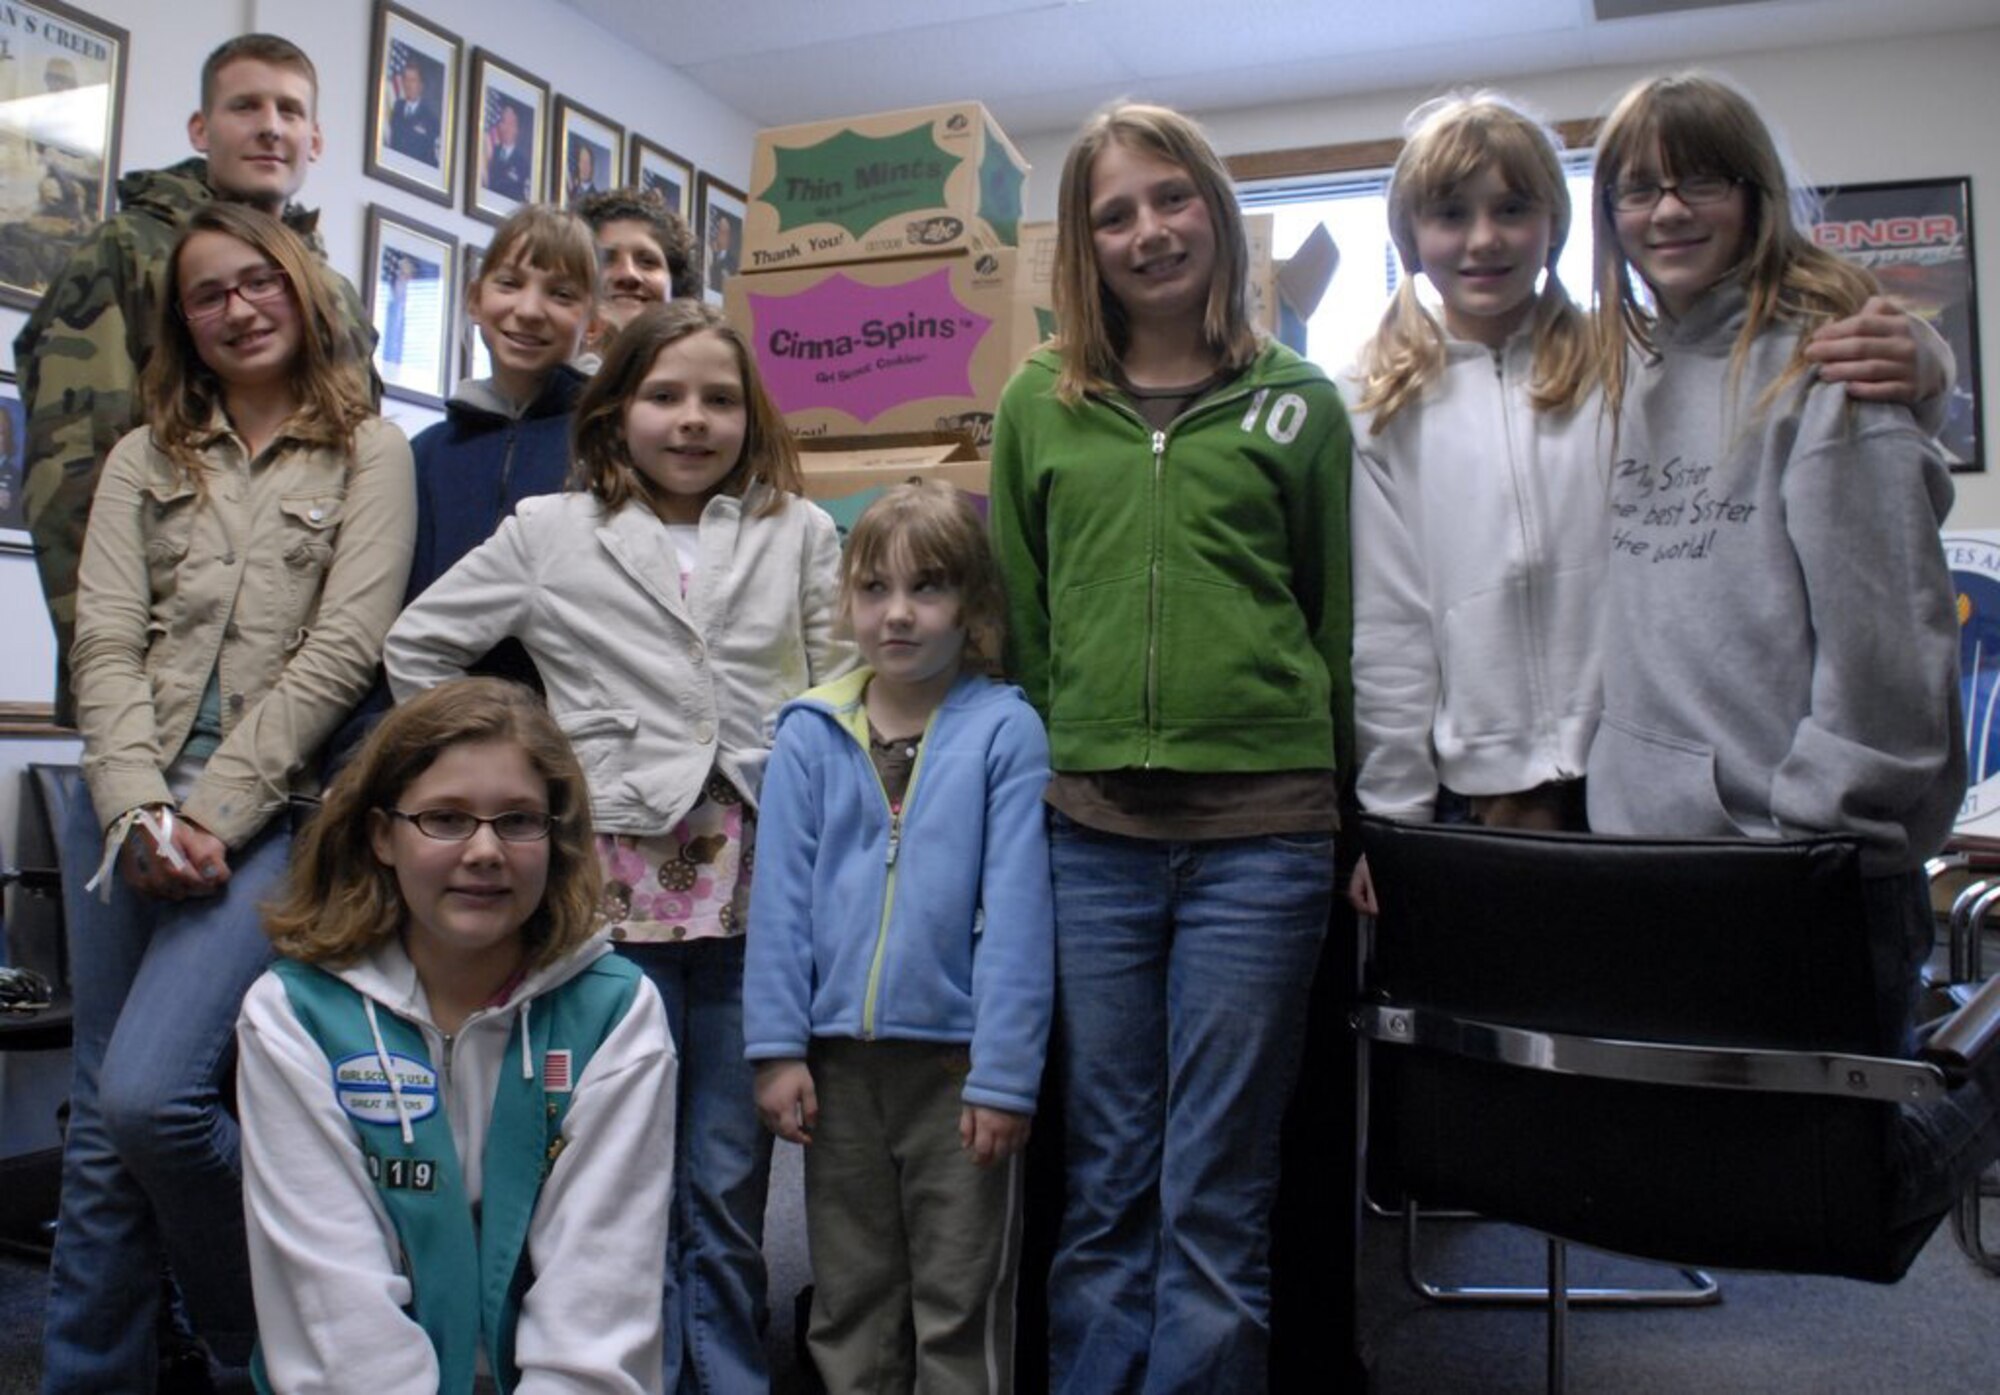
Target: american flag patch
555, 1072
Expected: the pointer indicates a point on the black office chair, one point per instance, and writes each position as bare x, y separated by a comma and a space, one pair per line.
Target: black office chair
1670, 1050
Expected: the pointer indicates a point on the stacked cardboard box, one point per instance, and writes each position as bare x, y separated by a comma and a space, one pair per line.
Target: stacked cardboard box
878, 285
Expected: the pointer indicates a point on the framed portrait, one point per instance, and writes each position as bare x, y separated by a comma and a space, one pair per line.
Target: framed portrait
507, 116
409, 284
58, 138
412, 120
718, 234
588, 151
657, 168
473, 359
13, 450
1915, 236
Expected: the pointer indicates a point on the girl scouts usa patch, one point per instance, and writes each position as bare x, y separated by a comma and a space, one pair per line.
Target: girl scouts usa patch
363, 1089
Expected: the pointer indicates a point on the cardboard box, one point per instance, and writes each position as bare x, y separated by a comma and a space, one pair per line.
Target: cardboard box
870, 347
867, 188
1036, 286
844, 475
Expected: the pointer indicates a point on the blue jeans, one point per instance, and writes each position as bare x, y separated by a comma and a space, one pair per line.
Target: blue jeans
1183, 973
151, 1165
714, 1308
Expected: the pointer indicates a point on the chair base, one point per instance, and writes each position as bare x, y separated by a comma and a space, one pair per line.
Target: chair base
1700, 1289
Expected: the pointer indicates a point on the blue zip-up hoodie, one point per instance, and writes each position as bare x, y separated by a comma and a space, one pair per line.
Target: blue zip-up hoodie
937, 925
479, 462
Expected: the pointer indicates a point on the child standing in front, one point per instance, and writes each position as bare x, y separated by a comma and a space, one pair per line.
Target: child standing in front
899, 987
1781, 653
671, 603
1170, 498
456, 1101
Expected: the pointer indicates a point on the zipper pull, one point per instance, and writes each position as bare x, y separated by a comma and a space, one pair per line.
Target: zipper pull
1159, 444
895, 836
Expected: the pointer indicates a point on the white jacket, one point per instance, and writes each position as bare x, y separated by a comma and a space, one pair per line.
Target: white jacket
1480, 547
324, 1254
653, 690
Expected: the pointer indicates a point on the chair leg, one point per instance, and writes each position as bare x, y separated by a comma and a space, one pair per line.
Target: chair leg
1558, 1316
1967, 1223
1701, 1290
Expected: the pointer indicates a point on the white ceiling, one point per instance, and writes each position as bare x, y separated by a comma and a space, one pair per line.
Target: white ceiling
1042, 65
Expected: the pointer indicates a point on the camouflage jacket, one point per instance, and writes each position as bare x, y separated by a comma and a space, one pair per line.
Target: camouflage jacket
79, 358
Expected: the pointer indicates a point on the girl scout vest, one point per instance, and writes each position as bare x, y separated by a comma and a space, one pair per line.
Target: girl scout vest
466, 1281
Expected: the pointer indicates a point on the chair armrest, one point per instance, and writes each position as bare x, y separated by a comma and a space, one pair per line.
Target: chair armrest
1968, 1035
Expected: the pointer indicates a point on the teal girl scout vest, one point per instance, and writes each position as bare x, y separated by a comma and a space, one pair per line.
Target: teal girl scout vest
466, 1281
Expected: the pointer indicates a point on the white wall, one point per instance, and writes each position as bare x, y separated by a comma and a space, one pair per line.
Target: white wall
1910, 109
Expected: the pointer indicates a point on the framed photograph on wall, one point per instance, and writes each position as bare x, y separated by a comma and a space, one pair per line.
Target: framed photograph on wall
718, 234
1915, 236
413, 112
13, 450
59, 130
587, 151
473, 359
411, 274
658, 168
506, 119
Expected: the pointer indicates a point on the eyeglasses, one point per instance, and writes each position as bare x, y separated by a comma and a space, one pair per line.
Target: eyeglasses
258, 288
457, 826
1696, 189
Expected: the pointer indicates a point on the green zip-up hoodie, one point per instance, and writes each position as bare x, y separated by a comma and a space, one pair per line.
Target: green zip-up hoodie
1180, 599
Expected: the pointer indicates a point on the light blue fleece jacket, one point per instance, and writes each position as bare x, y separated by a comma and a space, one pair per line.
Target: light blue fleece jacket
935, 925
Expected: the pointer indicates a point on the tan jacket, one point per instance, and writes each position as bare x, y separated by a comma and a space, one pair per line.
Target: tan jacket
280, 579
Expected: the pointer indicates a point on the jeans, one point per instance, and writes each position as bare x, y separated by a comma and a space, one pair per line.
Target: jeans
714, 1308
151, 1166
1183, 975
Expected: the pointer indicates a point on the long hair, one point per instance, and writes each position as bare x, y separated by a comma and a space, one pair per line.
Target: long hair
1450, 141
339, 901
1699, 124
601, 462
1092, 330
182, 394
928, 526
547, 238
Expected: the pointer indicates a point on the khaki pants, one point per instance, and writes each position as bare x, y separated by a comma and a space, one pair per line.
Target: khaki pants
915, 1251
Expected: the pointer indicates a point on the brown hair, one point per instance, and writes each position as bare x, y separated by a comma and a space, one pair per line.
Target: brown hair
668, 228
262, 48
547, 238
1699, 124
1451, 141
181, 393
339, 900
929, 526
1093, 333
602, 464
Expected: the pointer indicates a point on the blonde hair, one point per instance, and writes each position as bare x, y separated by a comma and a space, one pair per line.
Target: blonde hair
182, 393
929, 526
1699, 124
1093, 332
339, 901
547, 238
601, 461
1451, 141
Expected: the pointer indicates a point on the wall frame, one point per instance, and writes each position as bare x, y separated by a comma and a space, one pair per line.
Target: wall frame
474, 361
1915, 236
719, 234
58, 138
413, 79
411, 274
655, 167
505, 161
586, 150
14, 535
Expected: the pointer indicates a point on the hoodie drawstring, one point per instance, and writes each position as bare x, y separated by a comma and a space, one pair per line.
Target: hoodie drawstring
382, 1059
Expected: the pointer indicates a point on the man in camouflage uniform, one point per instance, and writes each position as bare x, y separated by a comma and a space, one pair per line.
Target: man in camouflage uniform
81, 352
